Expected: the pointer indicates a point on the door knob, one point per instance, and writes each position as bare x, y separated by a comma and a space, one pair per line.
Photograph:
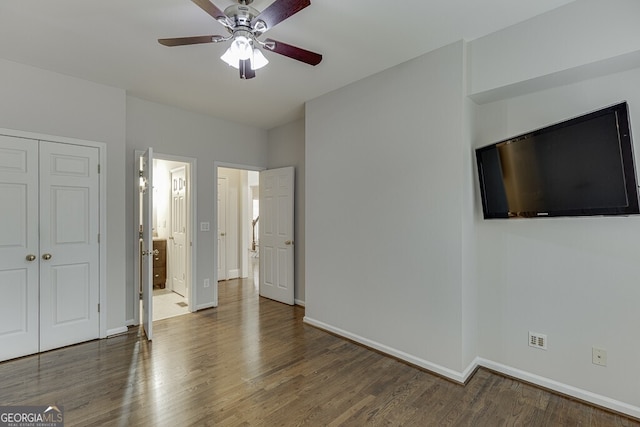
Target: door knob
223, 234
46, 257
31, 257
288, 242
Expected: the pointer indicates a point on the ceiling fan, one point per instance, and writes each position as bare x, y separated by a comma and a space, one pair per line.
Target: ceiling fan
245, 24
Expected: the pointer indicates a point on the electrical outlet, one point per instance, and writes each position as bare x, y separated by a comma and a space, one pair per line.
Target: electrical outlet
537, 340
206, 283
599, 356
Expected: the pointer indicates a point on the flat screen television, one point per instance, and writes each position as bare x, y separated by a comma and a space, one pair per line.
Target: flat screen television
579, 167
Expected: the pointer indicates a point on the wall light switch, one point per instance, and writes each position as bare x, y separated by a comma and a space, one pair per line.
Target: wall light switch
204, 226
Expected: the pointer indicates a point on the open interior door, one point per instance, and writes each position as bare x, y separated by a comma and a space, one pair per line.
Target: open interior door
146, 240
178, 237
276, 234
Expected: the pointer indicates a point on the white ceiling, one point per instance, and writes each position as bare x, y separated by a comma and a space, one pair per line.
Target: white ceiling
114, 42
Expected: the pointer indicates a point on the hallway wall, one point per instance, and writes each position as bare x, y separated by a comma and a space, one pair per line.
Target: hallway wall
173, 131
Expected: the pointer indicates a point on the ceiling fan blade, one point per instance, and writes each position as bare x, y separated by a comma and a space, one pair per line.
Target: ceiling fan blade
280, 10
181, 41
210, 8
293, 52
246, 72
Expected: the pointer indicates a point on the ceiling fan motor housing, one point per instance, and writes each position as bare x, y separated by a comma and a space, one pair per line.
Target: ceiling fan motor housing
239, 15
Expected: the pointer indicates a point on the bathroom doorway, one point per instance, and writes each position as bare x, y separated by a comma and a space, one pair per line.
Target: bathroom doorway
171, 225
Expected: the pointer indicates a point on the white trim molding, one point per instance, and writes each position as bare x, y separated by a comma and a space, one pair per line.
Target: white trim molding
459, 377
117, 331
464, 376
562, 388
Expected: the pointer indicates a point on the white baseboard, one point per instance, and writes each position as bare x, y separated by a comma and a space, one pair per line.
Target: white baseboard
565, 389
459, 377
299, 302
117, 331
233, 274
462, 377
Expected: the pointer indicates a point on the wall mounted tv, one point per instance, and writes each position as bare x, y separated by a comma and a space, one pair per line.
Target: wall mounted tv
579, 167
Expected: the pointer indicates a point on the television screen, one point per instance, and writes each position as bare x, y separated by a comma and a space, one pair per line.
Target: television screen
583, 166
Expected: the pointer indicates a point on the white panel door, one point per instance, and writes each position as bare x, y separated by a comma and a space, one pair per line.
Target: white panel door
146, 166
276, 234
223, 187
69, 250
19, 248
178, 236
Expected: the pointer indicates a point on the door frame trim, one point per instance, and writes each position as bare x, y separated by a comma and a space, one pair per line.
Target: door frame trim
193, 199
216, 227
216, 165
102, 209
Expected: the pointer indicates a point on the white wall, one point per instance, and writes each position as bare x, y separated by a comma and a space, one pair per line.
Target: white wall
39, 101
573, 279
173, 131
287, 148
385, 182
469, 276
398, 255
580, 40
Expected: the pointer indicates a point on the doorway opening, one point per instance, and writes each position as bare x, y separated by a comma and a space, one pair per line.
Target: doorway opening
238, 222
165, 265
274, 246
171, 213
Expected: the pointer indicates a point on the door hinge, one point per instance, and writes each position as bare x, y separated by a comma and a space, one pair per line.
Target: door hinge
98, 307
140, 235
98, 167
98, 237
140, 174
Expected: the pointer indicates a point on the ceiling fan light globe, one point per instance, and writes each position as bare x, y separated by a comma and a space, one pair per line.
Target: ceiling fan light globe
241, 48
230, 59
258, 61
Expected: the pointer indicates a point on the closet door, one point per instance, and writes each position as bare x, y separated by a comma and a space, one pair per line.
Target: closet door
18, 247
69, 250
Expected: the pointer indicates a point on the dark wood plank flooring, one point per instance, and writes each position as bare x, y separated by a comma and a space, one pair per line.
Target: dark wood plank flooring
252, 361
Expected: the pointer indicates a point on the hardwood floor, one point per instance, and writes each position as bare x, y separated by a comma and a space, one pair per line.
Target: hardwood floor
253, 362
